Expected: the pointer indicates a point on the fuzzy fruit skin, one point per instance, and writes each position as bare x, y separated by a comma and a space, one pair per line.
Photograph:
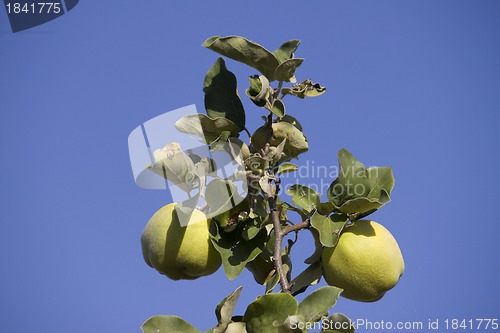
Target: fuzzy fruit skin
366, 262
179, 252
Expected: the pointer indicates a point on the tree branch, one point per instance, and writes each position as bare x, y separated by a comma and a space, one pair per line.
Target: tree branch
278, 245
275, 215
296, 227
269, 133
277, 92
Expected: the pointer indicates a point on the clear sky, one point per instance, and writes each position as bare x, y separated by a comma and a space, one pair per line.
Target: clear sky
411, 84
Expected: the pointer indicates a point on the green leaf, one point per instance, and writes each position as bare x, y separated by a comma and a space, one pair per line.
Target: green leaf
274, 279
259, 90
359, 205
235, 251
276, 154
310, 276
291, 325
317, 303
296, 142
287, 260
167, 324
236, 327
352, 181
224, 136
287, 167
238, 149
300, 211
229, 219
270, 239
278, 108
256, 164
224, 310
304, 89
267, 187
175, 165
282, 208
221, 96
251, 227
262, 267
318, 248
209, 129
338, 323
268, 312
381, 183
291, 120
256, 83
326, 208
358, 190
245, 51
304, 196
259, 206
328, 227
221, 196
287, 50
286, 70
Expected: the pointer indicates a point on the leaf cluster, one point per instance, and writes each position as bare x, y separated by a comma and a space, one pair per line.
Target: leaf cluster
271, 313
249, 231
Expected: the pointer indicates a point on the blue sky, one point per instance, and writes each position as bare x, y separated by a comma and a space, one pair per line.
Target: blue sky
411, 84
